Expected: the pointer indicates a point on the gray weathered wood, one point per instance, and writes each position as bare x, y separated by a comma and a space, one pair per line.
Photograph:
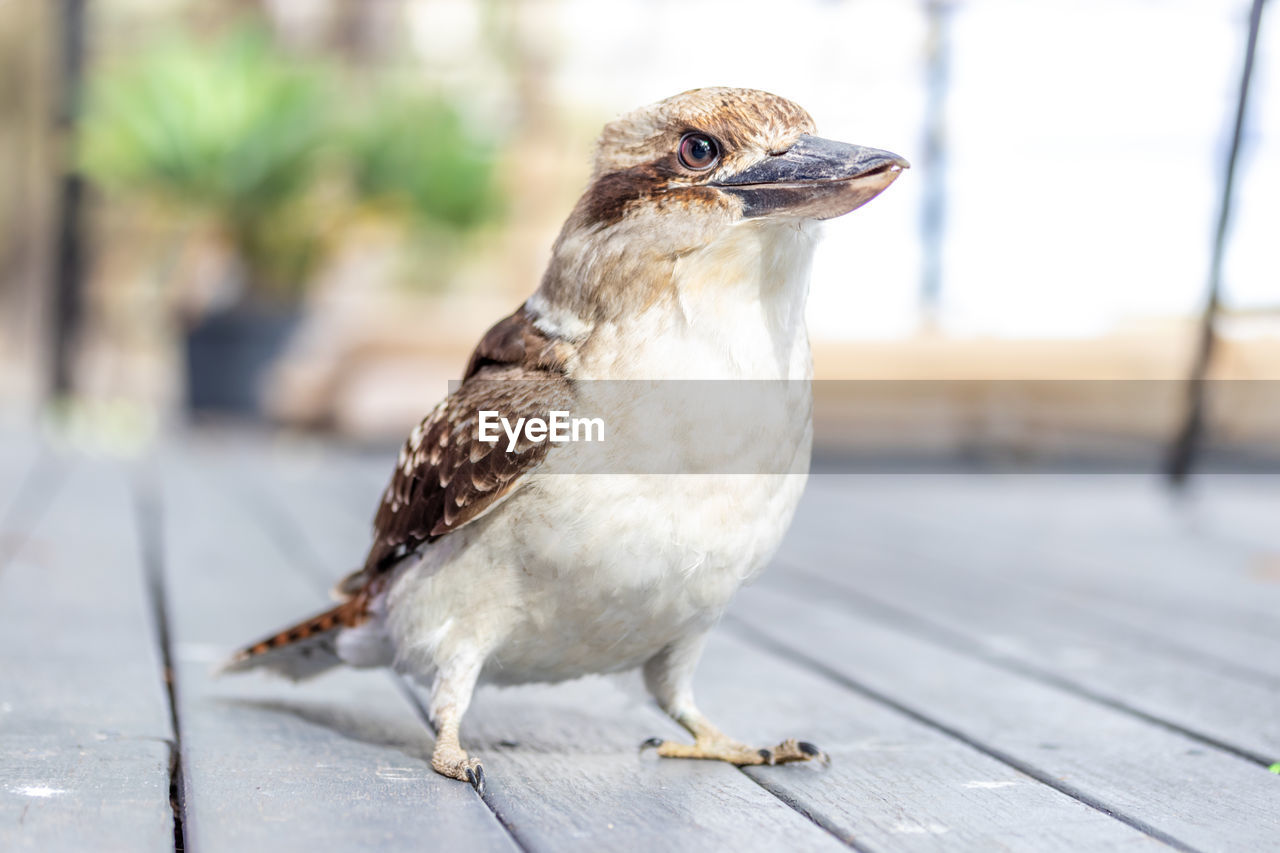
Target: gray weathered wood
1171, 559
987, 606
1003, 622
942, 637
1217, 644
84, 719
894, 783
1240, 507
1193, 594
15, 466
29, 477
342, 762
1157, 779
19, 449
564, 768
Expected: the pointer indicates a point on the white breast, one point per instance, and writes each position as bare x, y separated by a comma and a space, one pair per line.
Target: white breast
738, 314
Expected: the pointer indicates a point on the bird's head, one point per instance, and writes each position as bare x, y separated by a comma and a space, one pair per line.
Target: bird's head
728, 155
676, 176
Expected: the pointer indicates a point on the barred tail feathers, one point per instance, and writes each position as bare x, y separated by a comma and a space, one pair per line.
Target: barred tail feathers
303, 650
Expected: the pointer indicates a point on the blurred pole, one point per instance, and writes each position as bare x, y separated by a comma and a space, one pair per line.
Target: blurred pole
68, 260
354, 30
1190, 438
933, 161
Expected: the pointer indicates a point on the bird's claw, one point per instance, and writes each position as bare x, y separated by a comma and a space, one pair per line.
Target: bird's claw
813, 752
475, 775
651, 743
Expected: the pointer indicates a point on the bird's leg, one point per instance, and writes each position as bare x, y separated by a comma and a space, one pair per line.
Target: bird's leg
669, 677
450, 696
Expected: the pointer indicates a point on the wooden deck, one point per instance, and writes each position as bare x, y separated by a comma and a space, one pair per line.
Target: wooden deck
1024, 662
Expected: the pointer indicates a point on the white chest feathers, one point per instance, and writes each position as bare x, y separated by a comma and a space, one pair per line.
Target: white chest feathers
735, 311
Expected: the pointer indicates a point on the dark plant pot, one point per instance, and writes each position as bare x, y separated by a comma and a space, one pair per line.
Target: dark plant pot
229, 357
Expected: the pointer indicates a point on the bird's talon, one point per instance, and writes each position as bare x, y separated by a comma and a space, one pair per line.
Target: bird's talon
767, 755
651, 743
475, 775
814, 753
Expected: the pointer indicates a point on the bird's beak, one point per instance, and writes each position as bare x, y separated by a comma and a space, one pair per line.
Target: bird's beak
814, 179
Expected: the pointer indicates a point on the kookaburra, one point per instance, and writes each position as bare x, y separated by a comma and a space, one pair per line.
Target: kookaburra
687, 258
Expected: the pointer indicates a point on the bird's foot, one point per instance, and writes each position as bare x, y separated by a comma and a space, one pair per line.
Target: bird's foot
456, 764
727, 749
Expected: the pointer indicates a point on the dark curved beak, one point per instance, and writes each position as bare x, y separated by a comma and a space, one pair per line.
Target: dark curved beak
815, 178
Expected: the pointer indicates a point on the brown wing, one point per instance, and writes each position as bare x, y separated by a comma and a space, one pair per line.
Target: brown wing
446, 476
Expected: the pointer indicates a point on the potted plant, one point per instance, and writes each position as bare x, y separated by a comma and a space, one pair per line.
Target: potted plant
230, 136
272, 162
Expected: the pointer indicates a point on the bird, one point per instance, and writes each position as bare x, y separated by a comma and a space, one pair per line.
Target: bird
512, 561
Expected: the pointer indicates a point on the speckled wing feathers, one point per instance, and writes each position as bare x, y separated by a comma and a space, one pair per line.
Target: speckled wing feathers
445, 477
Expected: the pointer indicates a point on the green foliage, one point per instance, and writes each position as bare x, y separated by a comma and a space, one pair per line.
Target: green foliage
230, 130
416, 153
259, 144
229, 126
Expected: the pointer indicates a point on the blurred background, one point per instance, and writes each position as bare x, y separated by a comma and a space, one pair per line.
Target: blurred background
304, 214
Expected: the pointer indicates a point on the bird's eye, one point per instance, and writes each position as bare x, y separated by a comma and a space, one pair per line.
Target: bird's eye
698, 151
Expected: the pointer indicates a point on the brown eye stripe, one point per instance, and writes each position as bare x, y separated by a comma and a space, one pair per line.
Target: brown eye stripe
606, 201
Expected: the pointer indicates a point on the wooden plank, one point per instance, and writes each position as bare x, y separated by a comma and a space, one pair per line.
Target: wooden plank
19, 449
1169, 553
988, 613
1240, 507
563, 766
15, 466
341, 762
1194, 594
1155, 779
1133, 563
894, 783
1216, 644
85, 719
29, 477
1037, 635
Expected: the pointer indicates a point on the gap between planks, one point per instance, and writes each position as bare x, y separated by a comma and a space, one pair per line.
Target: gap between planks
148, 514
1122, 606
322, 761
762, 640
928, 629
